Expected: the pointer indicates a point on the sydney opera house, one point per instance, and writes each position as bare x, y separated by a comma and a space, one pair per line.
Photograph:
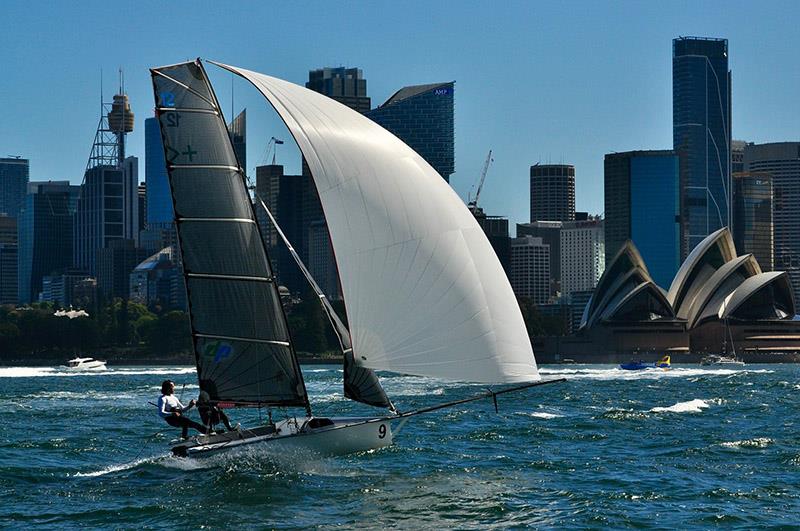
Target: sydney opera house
718, 302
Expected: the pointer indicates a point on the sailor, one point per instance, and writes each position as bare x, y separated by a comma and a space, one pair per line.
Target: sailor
172, 411
210, 414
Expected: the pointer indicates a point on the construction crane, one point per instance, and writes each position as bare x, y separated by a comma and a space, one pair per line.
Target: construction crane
272, 146
472, 205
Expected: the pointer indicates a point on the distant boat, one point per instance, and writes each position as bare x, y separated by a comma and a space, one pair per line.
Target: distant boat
633, 365
424, 291
718, 360
85, 364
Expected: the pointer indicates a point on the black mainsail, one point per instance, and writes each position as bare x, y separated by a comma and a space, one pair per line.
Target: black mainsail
242, 344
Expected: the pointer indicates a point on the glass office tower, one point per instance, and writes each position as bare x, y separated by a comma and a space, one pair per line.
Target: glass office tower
701, 129
422, 117
642, 204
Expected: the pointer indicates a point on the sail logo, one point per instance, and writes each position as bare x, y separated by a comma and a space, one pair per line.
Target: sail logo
218, 350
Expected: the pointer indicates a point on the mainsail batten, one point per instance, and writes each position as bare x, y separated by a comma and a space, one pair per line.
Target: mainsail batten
241, 339
425, 293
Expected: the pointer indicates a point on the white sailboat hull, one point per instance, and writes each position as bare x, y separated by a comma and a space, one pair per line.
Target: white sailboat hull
298, 435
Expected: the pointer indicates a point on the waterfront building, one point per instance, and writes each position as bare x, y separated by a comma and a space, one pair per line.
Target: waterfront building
782, 161
107, 211
14, 174
45, 234
752, 216
582, 255
345, 85
237, 131
552, 192
642, 203
701, 129
159, 199
115, 262
530, 269
550, 233
8, 259
422, 116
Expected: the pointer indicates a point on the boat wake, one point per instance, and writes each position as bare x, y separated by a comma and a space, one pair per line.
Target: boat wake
118, 468
50, 372
646, 374
692, 406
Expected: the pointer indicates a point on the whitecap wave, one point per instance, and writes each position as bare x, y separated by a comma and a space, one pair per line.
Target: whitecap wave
757, 442
544, 415
692, 406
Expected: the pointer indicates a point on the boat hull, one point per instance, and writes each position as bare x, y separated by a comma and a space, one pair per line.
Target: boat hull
335, 436
88, 366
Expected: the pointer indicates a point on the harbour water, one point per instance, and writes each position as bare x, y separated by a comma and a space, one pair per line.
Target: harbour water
686, 448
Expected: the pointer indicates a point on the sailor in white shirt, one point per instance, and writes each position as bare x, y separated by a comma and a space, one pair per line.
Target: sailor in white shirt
172, 411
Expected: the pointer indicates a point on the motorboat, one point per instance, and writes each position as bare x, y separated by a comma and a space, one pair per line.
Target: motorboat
718, 360
85, 364
633, 365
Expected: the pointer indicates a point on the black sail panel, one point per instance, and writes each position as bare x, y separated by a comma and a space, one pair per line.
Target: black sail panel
242, 345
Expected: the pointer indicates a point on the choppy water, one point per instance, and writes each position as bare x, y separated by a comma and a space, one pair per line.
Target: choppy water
685, 448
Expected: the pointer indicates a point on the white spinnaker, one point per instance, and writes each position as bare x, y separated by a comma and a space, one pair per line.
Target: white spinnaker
424, 290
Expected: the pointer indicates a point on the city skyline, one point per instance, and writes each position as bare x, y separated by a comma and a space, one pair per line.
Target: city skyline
530, 92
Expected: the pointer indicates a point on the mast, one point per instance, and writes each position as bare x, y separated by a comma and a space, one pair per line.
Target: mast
243, 348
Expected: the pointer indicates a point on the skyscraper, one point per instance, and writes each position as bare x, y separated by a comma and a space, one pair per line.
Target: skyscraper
107, 211
552, 192
159, 200
781, 160
642, 204
701, 132
422, 116
737, 155
550, 233
752, 216
345, 85
582, 255
14, 174
8, 260
530, 269
237, 130
45, 234
496, 230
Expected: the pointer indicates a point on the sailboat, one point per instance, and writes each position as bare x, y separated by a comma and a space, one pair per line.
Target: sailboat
424, 292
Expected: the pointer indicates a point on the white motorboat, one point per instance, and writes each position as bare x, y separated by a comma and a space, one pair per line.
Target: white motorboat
718, 360
425, 293
85, 364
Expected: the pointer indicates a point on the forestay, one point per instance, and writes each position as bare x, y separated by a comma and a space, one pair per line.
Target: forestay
360, 384
241, 339
425, 292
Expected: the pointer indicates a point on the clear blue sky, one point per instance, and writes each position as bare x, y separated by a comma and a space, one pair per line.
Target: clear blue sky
535, 81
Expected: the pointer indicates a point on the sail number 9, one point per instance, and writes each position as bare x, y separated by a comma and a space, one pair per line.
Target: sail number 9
381, 431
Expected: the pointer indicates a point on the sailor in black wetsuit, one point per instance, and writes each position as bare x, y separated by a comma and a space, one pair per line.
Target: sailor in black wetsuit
172, 411
211, 414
